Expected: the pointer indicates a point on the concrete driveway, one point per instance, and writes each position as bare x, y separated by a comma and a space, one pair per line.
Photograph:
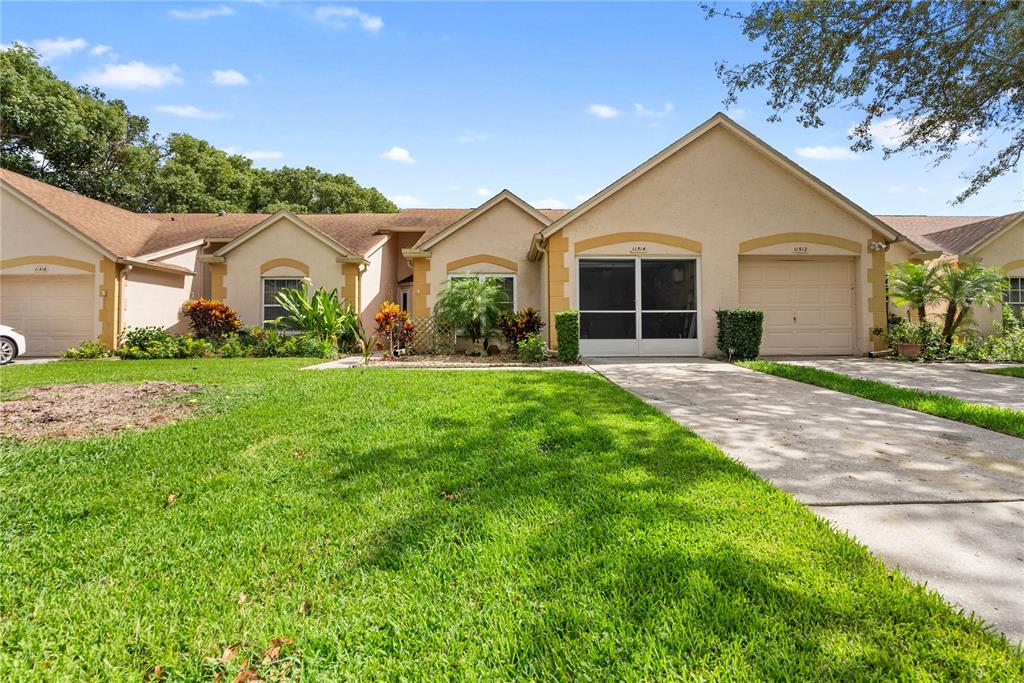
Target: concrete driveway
962, 380
942, 500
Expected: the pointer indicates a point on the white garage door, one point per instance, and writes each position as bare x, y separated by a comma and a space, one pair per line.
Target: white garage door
808, 304
54, 312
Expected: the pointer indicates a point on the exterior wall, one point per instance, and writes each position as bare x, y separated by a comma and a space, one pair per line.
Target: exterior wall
1006, 252
31, 243
152, 297
242, 287
496, 242
378, 282
718, 198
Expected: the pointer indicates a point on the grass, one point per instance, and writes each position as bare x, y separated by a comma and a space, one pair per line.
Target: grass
423, 525
1002, 420
1015, 371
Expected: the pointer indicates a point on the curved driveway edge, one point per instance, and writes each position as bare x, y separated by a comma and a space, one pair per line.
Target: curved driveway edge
941, 500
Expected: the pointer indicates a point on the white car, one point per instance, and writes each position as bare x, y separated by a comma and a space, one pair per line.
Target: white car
12, 344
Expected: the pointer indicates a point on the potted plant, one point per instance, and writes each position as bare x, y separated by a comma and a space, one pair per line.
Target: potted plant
905, 339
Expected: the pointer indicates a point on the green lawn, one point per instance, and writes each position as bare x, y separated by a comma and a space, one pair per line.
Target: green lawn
1002, 420
422, 525
1015, 371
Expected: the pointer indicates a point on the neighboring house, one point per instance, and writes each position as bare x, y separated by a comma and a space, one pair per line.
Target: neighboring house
716, 220
994, 241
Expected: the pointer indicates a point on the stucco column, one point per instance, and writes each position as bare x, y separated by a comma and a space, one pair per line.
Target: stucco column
420, 286
558, 282
110, 307
876, 292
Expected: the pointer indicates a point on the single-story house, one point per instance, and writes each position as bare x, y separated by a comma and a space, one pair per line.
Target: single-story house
718, 219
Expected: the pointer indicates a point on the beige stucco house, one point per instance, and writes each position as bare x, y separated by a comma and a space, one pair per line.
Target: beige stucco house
718, 219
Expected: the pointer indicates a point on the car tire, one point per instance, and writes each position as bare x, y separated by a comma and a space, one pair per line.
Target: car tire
8, 350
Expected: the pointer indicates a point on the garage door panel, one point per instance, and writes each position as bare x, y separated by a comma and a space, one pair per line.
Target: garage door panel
54, 312
808, 304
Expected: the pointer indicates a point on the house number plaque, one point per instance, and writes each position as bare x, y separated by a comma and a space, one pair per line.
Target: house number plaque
799, 250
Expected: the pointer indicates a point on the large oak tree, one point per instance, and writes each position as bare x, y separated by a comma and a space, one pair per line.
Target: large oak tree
77, 139
933, 75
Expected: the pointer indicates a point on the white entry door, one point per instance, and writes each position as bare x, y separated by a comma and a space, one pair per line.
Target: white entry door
633, 306
809, 305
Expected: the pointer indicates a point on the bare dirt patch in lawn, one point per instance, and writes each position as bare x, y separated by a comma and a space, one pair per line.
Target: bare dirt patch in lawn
79, 411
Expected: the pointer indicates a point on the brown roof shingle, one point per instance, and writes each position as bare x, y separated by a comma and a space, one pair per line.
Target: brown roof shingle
949, 234
120, 232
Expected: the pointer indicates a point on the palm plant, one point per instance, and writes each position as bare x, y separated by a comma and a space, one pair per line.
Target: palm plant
322, 315
471, 305
964, 286
914, 285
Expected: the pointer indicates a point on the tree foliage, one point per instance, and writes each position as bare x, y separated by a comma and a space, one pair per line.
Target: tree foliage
77, 139
472, 305
933, 75
915, 285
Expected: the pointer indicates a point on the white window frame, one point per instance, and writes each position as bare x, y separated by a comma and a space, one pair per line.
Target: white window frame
1015, 295
263, 294
483, 276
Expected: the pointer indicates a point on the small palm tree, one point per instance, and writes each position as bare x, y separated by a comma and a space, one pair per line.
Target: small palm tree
471, 305
914, 285
964, 286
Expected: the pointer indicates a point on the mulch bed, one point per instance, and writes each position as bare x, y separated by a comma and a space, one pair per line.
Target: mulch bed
80, 411
461, 361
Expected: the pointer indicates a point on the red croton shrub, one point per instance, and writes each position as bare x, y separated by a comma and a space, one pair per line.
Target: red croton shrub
393, 326
211, 319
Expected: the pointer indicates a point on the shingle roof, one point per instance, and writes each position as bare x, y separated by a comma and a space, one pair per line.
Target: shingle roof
127, 234
949, 234
120, 232
553, 214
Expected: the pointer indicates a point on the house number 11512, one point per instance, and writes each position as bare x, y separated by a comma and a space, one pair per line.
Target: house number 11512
799, 250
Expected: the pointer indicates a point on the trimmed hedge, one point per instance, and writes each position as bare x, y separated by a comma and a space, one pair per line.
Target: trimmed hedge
567, 329
739, 329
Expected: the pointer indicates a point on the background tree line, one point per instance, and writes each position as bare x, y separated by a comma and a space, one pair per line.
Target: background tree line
77, 139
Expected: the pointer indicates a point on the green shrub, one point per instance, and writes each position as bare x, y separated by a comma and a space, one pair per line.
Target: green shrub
531, 348
86, 350
233, 347
321, 315
739, 333
567, 332
517, 326
471, 305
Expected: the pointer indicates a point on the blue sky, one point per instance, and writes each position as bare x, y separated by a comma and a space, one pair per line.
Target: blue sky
440, 104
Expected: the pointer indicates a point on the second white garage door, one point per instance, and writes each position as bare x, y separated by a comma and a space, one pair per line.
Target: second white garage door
808, 304
54, 312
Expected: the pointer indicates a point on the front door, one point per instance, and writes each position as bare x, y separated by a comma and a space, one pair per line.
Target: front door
633, 306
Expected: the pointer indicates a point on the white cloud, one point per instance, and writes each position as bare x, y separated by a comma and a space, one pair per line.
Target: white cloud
888, 131
484, 192
824, 152
453, 187
643, 111
737, 114
258, 154
228, 77
188, 111
133, 76
202, 13
102, 50
470, 135
53, 48
585, 197
603, 111
406, 200
399, 154
339, 17
550, 203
